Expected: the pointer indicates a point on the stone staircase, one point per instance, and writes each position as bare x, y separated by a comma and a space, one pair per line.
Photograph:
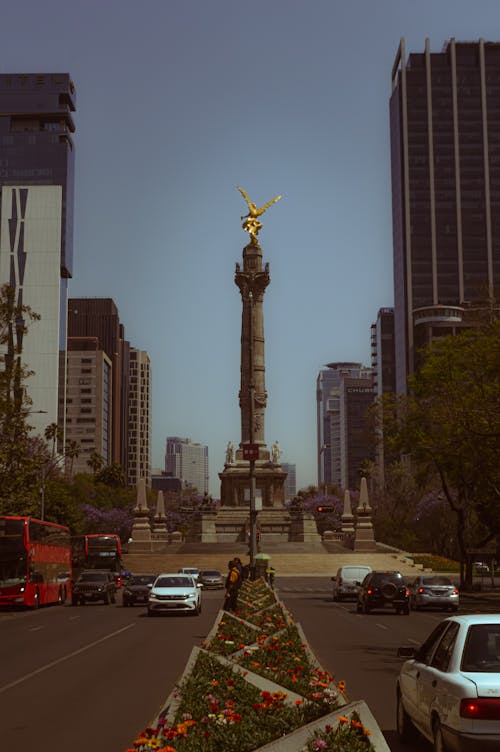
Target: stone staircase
287, 563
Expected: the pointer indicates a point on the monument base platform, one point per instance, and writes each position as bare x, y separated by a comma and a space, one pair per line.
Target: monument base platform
274, 526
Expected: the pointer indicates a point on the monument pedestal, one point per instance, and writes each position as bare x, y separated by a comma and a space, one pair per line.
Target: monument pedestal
269, 482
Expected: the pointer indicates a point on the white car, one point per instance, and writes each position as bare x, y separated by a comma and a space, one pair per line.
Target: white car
192, 571
344, 582
449, 689
174, 592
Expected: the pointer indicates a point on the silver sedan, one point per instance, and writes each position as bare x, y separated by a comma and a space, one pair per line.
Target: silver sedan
434, 591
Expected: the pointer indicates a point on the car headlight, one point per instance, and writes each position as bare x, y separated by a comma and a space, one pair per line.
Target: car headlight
191, 596
152, 596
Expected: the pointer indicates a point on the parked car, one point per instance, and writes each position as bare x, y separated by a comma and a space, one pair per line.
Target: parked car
211, 578
137, 589
434, 591
174, 592
449, 687
344, 582
192, 571
383, 590
480, 567
94, 585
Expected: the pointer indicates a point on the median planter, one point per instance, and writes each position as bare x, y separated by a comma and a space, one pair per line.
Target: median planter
255, 685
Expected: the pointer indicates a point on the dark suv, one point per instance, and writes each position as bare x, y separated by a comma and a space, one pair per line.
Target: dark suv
383, 590
94, 585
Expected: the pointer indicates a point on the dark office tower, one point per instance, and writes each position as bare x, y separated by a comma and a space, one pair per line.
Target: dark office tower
98, 317
36, 220
382, 348
445, 150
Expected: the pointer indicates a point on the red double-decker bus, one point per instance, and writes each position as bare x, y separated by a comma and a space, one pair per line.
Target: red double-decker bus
35, 562
97, 551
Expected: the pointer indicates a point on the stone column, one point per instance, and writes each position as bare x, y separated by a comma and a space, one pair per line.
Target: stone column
364, 539
252, 282
141, 530
160, 532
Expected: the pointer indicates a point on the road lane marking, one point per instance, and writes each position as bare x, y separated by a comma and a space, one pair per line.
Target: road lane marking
35, 629
382, 626
63, 658
72, 618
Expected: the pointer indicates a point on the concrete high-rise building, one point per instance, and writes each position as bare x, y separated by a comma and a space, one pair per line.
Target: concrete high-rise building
328, 418
36, 222
445, 154
88, 402
188, 462
291, 480
139, 418
98, 317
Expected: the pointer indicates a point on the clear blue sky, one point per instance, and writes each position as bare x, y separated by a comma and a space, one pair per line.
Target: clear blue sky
180, 101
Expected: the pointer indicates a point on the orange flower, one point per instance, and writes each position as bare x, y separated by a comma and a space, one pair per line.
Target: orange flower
343, 719
299, 702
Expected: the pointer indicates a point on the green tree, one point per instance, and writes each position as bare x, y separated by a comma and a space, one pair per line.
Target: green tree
96, 462
18, 451
450, 427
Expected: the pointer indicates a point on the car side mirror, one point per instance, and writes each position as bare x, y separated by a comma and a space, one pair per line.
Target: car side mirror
150, 584
333, 579
198, 584
407, 652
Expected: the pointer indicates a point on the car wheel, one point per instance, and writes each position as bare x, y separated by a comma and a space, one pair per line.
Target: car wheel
113, 598
437, 735
406, 610
366, 608
405, 728
60, 599
106, 599
150, 612
359, 608
74, 601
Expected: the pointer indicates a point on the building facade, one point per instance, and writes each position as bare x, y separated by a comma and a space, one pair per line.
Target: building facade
88, 402
99, 317
139, 418
356, 444
445, 155
328, 418
188, 462
383, 359
36, 222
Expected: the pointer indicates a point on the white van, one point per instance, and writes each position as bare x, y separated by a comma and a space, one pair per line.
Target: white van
343, 582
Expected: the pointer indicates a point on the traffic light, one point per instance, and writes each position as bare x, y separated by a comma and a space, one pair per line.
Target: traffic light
325, 509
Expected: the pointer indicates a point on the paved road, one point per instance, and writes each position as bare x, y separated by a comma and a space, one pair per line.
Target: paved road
91, 678
361, 649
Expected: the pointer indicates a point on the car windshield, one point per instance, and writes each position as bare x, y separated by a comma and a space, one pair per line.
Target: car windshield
169, 582
383, 577
436, 581
142, 579
482, 649
94, 577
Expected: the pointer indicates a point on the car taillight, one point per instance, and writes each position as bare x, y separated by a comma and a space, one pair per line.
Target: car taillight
421, 590
369, 591
481, 708
456, 591
407, 593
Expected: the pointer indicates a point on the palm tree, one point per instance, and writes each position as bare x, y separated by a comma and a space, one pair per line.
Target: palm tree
54, 434
96, 462
71, 451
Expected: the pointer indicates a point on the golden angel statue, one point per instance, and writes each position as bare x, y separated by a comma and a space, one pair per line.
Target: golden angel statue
252, 225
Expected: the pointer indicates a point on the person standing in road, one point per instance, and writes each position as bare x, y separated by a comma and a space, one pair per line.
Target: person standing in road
233, 581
